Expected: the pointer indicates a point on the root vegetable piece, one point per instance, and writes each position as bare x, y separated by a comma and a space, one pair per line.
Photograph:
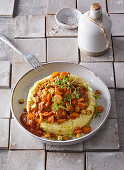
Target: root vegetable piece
57, 98
86, 129
49, 97
55, 74
63, 74
21, 101
31, 116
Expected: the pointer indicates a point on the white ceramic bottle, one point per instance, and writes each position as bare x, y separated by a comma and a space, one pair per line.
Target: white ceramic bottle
94, 31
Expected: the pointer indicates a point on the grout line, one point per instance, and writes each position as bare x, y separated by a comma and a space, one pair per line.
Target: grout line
85, 159
45, 159
9, 133
106, 6
76, 4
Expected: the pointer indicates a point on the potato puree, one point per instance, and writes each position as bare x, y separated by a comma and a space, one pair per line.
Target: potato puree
68, 126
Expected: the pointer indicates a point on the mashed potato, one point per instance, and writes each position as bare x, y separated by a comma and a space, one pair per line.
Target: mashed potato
67, 127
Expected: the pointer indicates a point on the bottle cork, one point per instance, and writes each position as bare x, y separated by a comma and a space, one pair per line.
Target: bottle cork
95, 6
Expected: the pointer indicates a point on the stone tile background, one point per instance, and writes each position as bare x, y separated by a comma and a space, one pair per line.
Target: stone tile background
33, 30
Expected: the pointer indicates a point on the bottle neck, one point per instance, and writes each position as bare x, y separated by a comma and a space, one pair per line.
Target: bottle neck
95, 14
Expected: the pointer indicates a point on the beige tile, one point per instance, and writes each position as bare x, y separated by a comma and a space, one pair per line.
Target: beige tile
62, 49
76, 147
4, 133
117, 24
113, 110
115, 6
106, 139
106, 57
120, 111
18, 70
36, 47
105, 161
84, 5
30, 26
104, 70
3, 159
4, 74
19, 139
118, 44
35, 7
65, 161
26, 160
5, 103
119, 74
6, 8
53, 30
55, 5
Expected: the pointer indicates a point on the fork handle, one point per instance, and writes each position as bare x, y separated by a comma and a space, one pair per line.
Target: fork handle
4, 39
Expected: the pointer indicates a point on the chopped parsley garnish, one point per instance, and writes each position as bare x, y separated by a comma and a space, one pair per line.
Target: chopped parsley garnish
48, 87
52, 99
57, 106
77, 96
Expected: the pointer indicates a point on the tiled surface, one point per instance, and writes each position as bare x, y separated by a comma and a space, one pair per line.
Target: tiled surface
115, 6
106, 57
3, 159
18, 70
113, 110
4, 74
74, 148
32, 7
109, 133
120, 110
66, 161
84, 5
104, 70
6, 8
26, 160
4, 133
5, 103
36, 47
34, 34
55, 52
118, 44
30, 26
19, 139
107, 161
119, 74
117, 29
55, 5
53, 30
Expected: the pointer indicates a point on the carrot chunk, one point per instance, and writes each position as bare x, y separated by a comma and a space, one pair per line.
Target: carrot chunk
86, 129
63, 74
31, 116
55, 74
57, 98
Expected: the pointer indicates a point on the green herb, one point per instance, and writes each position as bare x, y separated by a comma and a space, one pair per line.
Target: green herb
48, 87
52, 99
71, 135
57, 106
86, 87
77, 96
49, 92
60, 139
69, 105
97, 114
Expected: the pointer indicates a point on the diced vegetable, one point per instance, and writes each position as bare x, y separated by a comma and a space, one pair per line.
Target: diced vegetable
63, 74
55, 74
79, 135
21, 101
86, 129
34, 106
57, 98
31, 116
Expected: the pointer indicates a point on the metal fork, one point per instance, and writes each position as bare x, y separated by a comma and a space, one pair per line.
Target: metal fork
30, 59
